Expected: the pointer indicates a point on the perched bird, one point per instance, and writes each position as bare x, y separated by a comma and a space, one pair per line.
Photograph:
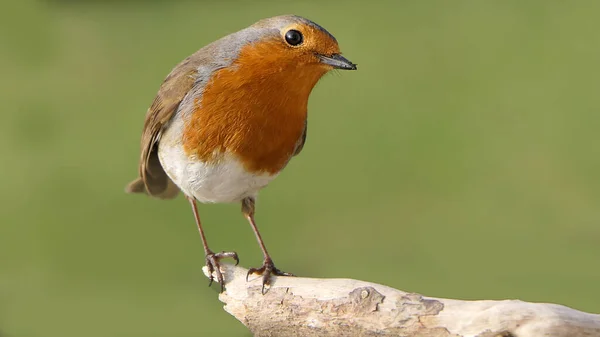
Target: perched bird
229, 118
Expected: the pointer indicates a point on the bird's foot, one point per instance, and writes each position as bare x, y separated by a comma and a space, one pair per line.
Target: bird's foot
267, 269
212, 263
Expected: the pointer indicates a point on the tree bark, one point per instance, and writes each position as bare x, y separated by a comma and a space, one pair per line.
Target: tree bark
296, 306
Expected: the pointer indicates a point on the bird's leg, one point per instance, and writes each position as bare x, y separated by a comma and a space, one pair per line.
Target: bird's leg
268, 267
212, 259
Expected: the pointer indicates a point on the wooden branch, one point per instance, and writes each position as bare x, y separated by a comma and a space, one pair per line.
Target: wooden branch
295, 306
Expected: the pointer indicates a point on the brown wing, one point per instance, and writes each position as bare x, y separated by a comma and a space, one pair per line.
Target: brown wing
153, 180
301, 141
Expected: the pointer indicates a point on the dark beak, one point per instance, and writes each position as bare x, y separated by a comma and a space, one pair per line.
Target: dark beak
337, 61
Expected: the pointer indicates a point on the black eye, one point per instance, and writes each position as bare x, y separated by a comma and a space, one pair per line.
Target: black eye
293, 37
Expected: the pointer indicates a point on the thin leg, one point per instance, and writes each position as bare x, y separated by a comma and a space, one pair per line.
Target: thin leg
268, 267
212, 259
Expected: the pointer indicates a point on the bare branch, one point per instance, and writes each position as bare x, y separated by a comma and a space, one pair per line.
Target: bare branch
296, 306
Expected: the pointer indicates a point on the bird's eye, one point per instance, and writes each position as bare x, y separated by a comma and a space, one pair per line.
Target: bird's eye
293, 37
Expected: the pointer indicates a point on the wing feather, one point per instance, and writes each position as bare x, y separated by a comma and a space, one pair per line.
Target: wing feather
172, 91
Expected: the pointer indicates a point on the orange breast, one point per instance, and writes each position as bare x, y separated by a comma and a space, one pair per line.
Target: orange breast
255, 109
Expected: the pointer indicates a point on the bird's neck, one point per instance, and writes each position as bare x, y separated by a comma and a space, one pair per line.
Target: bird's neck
259, 116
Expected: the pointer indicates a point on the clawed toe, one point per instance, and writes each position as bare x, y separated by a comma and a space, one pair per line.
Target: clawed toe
267, 269
213, 265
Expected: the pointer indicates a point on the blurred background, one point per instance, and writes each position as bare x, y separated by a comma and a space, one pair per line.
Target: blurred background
461, 160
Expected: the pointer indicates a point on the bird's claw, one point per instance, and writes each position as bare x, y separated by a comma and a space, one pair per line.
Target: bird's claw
266, 270
212, 263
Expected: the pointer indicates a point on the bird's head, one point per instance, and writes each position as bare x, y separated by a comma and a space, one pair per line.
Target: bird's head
288, 47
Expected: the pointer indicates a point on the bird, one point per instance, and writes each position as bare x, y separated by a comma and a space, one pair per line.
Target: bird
228, 119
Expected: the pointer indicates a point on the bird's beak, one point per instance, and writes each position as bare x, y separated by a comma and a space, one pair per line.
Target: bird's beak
337, 61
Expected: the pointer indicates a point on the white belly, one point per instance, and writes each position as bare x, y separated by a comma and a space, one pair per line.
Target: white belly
223, 181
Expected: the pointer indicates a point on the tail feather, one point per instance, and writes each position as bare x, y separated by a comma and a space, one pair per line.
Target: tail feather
153, 181
137, 186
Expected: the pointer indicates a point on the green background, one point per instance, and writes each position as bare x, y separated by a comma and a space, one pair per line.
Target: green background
461, 160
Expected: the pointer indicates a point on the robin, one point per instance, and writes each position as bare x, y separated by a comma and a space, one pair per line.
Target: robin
228, 119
